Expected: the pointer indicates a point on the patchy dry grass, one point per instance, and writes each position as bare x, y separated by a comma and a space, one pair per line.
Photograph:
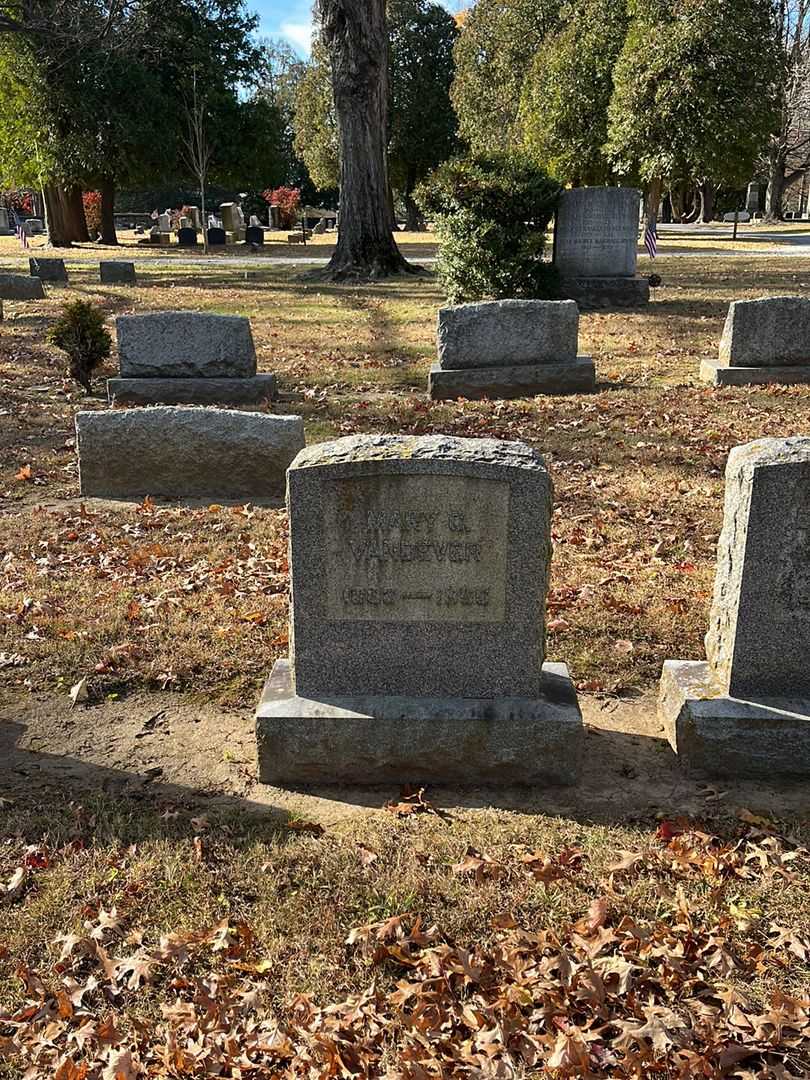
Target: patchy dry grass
130, 929
555, 950
177, 597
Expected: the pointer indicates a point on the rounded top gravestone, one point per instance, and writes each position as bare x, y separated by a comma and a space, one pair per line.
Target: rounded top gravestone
419, 565
596, 232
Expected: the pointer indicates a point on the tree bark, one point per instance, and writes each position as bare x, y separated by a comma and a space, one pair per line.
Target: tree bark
354, 32
60, 230
652, 201
776, 188
78, 222
108, 234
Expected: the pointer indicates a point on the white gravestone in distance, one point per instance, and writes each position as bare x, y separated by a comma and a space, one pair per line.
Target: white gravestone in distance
419, 569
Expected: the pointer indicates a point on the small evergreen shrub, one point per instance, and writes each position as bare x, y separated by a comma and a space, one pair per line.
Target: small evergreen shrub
80, 332
491, 215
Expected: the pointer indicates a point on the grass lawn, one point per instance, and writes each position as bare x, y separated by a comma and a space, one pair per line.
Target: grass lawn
152, 928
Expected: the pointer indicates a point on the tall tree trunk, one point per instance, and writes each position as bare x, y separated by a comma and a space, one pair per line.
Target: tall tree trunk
78, 222
652, 200
60, 228
108, 234
707, 193
354, 32
776, 187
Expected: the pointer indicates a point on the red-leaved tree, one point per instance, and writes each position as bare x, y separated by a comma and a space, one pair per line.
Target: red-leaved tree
288, 201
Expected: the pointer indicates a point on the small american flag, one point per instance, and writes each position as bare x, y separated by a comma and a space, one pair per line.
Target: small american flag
22, 234
651, 239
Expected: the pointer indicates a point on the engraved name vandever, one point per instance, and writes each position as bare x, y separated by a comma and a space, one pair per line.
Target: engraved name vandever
416, 549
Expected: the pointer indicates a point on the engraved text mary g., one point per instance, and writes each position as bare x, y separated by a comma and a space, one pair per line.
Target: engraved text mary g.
416, 549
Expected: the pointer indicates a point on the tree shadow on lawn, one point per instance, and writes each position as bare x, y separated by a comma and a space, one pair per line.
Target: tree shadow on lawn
160, 751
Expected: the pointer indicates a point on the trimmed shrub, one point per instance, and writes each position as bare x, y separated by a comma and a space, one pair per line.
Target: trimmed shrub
491, 215
80, 332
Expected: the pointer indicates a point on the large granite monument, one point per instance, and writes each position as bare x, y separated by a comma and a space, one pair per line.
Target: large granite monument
509, 348
187, 357
746, 711
764, 341
419, 569
596, 246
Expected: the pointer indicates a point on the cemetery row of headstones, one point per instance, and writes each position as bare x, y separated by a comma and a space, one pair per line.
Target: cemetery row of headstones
419, 570
494, 349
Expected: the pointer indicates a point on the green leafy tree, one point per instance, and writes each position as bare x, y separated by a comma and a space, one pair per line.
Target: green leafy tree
315, 121
423, 128
694, 92
494, 54
564, 107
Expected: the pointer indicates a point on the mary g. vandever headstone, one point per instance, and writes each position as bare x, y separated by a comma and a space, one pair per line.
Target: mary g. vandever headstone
419, 569
746, 711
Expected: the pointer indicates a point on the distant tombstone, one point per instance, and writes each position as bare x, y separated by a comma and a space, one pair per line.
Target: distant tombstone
254, 234
409, 557
21, 287
752, 196
764, 341
216, 237
48, 270
35, 226
230, 219
274, 217
196, 218
4, 226
595, 246
164, 223
116, 272
509, 348
745, 712
187, 237
320, 227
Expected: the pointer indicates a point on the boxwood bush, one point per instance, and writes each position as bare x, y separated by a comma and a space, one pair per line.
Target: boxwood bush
491, 215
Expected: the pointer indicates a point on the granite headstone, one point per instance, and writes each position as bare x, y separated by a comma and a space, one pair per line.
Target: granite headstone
419, 569
746, 711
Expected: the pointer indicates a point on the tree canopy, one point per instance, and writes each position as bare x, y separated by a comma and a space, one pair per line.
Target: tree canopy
493, 55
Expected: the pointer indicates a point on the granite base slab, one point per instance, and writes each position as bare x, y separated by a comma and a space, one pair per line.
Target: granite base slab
729, 737
372, 740
576, 376
251, 390
607, 292
719, 374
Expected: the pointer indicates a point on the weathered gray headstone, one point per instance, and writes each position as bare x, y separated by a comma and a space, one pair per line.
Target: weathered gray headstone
752, 197
509, 348
117, 272
419, 569
764, 341
4, 225
48, 269
746, 712
178, 452
185, 344
596, 244
187, 357
20, 287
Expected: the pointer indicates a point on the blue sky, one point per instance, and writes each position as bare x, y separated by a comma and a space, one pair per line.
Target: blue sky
292, 19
